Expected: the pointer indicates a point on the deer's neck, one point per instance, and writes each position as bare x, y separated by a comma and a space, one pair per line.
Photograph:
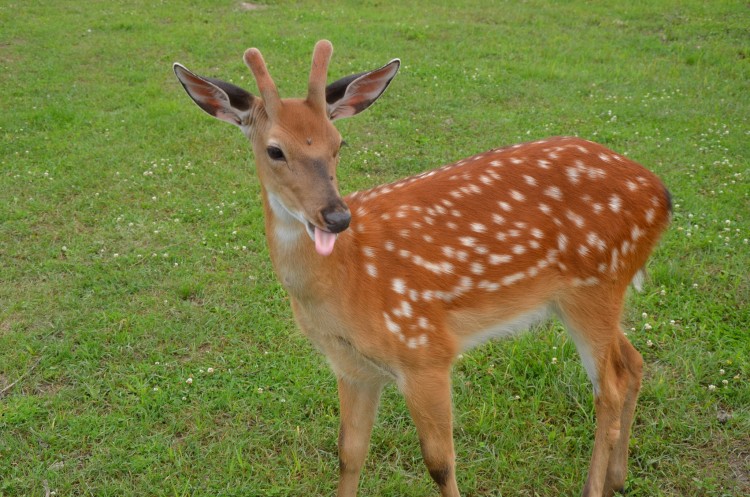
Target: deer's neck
306, 276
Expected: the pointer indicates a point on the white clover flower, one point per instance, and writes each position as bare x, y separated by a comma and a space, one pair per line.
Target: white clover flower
644, 315
647, 327
649, 343
712, 387
189, 381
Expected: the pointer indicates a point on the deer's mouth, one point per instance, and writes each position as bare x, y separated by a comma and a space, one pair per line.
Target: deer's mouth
324, 240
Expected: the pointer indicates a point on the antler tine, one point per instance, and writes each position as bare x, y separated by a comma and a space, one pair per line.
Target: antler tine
316, 89
267, 87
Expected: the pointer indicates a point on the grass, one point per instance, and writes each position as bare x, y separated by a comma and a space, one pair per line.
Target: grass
132, 255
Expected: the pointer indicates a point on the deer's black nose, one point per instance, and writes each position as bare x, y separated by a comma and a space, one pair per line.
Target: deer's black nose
337, 217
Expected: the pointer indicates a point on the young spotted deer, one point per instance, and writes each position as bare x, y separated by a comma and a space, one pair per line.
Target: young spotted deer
392, 283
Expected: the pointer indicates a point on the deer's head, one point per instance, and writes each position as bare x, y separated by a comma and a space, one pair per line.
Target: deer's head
295, 143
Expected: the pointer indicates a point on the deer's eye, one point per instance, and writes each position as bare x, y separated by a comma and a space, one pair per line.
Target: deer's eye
275, 153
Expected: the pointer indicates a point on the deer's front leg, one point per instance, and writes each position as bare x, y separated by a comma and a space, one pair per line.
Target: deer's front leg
359, 404
428, 395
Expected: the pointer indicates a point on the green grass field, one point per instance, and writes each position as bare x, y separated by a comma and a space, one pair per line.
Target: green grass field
146, 348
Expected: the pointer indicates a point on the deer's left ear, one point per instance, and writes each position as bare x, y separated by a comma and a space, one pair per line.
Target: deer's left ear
222, 100
351, 95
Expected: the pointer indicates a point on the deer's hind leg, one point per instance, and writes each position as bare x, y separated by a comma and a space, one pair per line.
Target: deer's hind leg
615, 370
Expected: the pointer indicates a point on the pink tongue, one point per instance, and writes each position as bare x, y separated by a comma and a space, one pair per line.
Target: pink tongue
324, 242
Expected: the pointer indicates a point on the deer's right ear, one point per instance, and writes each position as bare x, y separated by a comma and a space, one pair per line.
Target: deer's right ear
220, 99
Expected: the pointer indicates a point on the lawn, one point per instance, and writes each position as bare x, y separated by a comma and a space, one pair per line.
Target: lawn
146, 348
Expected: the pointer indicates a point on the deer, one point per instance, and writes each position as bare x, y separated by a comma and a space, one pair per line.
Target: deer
393, 283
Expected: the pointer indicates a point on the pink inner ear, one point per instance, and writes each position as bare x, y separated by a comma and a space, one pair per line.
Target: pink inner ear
228, 117
362, 92
207, 94
367, 90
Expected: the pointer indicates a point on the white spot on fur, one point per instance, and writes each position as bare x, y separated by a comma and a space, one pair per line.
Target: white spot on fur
574, 176
392, 326
467, 241
625, 247
614, 261
513, 278
650, 215
496, 259
517, 196
615, 203
594, 241
478, 227
553, 192
530, 180
575, 218
404, 311
371, 270
398, 285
